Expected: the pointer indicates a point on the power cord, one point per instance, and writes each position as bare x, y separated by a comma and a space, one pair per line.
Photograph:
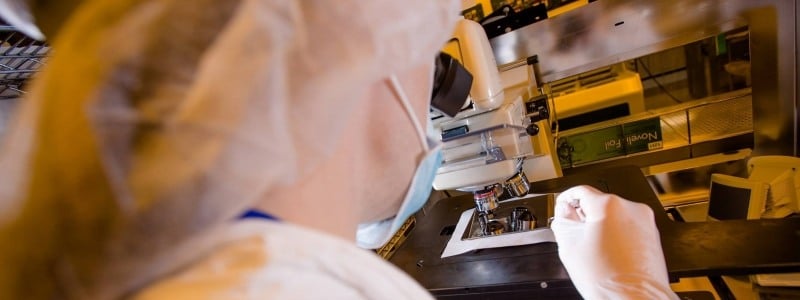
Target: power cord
650, 75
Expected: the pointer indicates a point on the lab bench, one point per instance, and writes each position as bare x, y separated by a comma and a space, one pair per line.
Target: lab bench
535, 271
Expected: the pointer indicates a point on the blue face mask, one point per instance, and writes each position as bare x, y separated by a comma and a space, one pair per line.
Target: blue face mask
376, 234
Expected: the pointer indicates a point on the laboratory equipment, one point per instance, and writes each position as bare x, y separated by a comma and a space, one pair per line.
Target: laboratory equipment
498, 136
770, 191
451, 85
601, 35
523, 272
512, 217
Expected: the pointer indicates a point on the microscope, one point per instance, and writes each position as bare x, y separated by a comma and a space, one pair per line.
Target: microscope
493, 137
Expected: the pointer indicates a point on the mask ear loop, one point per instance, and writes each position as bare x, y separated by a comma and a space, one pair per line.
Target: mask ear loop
398, 92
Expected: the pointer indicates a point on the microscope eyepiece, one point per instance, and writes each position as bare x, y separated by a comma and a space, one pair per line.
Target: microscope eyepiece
451, 85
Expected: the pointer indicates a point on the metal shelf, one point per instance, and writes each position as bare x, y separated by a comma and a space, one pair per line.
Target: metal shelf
20, 58
699, 128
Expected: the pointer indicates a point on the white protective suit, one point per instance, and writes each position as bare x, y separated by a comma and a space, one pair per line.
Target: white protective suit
157, 122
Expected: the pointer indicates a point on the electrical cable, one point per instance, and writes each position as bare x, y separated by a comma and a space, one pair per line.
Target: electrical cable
646, 69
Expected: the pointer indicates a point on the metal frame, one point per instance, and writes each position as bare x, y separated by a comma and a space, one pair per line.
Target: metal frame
611, 31
20, 58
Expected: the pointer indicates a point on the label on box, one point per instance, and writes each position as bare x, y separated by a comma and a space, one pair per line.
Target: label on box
642, 135
610, 142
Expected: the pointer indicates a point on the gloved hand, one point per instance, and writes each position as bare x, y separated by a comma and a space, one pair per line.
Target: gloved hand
610, 246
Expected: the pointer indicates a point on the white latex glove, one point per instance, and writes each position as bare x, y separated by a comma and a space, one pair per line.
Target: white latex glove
610, 246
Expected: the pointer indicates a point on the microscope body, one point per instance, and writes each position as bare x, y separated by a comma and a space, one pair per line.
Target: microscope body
497, 130
498, 135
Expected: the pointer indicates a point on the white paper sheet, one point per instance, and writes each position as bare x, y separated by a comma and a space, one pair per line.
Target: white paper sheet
457, 246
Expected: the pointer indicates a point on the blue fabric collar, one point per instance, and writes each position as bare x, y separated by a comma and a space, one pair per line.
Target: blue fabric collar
257, 214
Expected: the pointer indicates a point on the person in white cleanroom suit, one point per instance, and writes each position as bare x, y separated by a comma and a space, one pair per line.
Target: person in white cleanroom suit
155, 124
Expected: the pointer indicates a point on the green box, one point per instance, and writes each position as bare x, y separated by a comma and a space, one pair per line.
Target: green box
610, 142
591, 146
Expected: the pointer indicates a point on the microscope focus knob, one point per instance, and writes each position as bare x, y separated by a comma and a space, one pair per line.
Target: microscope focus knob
532, 129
